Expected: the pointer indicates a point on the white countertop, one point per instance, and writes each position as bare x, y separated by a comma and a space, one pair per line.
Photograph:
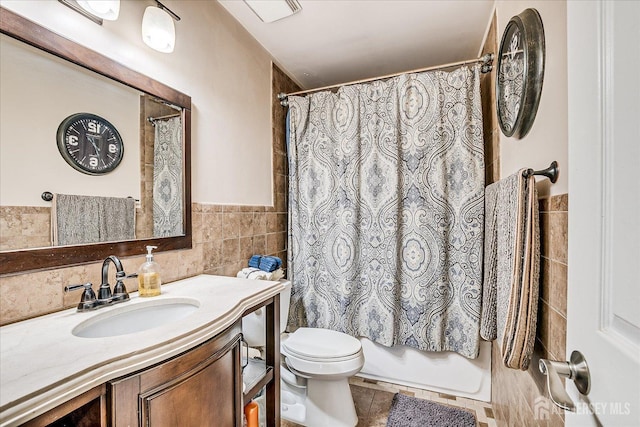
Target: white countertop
42, 364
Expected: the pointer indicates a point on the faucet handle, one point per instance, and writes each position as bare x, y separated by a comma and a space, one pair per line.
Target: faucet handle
120, 290
88, 301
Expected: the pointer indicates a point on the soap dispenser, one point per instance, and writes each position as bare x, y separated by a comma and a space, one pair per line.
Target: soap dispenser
149, 276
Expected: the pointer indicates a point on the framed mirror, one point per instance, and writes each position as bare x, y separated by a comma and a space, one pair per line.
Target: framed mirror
151, 106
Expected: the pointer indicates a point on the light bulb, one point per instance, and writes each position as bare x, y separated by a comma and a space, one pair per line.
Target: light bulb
105, 9
158, 30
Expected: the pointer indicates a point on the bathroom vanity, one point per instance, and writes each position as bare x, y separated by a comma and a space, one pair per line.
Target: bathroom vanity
183, 368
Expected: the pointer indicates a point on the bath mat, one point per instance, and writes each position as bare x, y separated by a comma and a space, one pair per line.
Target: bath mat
407, 411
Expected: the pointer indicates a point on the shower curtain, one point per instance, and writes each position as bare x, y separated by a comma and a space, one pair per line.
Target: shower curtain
386, 201
167, 178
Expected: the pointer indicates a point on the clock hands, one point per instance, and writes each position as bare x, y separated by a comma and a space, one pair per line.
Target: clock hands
91, 139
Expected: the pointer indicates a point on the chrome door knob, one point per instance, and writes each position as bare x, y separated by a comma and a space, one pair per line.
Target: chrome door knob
576, 369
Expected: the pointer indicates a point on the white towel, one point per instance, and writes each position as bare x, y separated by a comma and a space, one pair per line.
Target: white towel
256, 273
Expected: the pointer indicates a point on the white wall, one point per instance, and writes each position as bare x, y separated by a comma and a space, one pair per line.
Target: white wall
224, 70
548, 138
38, 92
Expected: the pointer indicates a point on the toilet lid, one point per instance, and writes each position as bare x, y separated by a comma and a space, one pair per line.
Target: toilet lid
319, 343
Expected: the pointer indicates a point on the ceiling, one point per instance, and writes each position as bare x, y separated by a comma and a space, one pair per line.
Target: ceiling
330, 42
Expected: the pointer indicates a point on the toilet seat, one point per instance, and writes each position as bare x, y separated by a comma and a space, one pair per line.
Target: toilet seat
312, 352
321, 345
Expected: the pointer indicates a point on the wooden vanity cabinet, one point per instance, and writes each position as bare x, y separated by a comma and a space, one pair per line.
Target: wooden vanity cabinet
200, 388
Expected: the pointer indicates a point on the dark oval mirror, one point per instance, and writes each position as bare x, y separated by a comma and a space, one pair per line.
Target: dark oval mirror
154, 105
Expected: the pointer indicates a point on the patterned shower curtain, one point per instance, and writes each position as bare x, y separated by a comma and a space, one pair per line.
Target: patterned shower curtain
386, 201
167, 178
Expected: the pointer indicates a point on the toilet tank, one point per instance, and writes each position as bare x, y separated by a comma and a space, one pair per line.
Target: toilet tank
253, 325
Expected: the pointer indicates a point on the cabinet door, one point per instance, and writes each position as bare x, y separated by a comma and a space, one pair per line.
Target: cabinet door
199, 398
200, 388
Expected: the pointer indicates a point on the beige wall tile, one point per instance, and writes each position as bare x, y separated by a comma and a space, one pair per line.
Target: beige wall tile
558, 228
558, 287
259, 223
245, 223
230, 225
259, 244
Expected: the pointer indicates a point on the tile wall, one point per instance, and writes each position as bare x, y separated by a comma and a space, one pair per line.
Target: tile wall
23, 227
519, 398
224, 237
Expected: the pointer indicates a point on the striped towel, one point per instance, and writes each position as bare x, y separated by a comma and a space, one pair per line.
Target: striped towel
512, 267
255, 261
270, 263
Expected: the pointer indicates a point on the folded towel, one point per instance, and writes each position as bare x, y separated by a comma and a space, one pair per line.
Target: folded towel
512, 266
270, 263
255, 261
257, 274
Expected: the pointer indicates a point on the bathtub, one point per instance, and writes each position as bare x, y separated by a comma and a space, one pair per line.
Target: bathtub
444, 372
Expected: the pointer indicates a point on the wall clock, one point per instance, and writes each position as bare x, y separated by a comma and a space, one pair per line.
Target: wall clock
520, 73
90, 144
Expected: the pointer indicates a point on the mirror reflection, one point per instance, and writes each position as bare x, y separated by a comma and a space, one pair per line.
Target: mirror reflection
140, 197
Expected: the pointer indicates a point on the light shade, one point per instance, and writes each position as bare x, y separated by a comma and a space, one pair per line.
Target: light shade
158, 30
273, 10
105, 9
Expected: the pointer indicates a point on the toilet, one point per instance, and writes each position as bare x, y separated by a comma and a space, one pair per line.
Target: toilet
316, 365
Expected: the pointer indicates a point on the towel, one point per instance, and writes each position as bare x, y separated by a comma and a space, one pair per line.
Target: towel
255, 261
91, 219
266, 263
270, 263
512, 268
256, 273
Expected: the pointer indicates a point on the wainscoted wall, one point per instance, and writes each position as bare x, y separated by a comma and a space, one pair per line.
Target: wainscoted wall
224, 237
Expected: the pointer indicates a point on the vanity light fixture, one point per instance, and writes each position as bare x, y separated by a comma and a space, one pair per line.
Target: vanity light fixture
105, 9
273, 10
158, 29
95, 10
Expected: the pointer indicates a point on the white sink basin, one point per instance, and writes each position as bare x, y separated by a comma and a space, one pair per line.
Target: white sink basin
132, 318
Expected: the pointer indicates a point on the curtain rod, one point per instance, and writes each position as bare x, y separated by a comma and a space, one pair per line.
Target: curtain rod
486, 61
168, 116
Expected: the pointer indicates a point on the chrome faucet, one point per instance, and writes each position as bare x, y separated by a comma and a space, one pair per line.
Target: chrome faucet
104, 292
90, 301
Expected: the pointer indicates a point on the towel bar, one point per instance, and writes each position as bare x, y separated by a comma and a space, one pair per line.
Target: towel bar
551, 172
47, 196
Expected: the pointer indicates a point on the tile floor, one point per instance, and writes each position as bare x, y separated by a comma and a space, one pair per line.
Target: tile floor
373, 401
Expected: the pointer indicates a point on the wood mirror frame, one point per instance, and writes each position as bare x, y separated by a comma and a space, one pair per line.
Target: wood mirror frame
12, 262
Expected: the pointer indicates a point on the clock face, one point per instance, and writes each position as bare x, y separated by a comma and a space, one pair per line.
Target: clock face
511, 78
520, 73
90, 143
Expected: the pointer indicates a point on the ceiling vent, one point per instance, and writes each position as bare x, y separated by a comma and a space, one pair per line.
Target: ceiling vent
273, 10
